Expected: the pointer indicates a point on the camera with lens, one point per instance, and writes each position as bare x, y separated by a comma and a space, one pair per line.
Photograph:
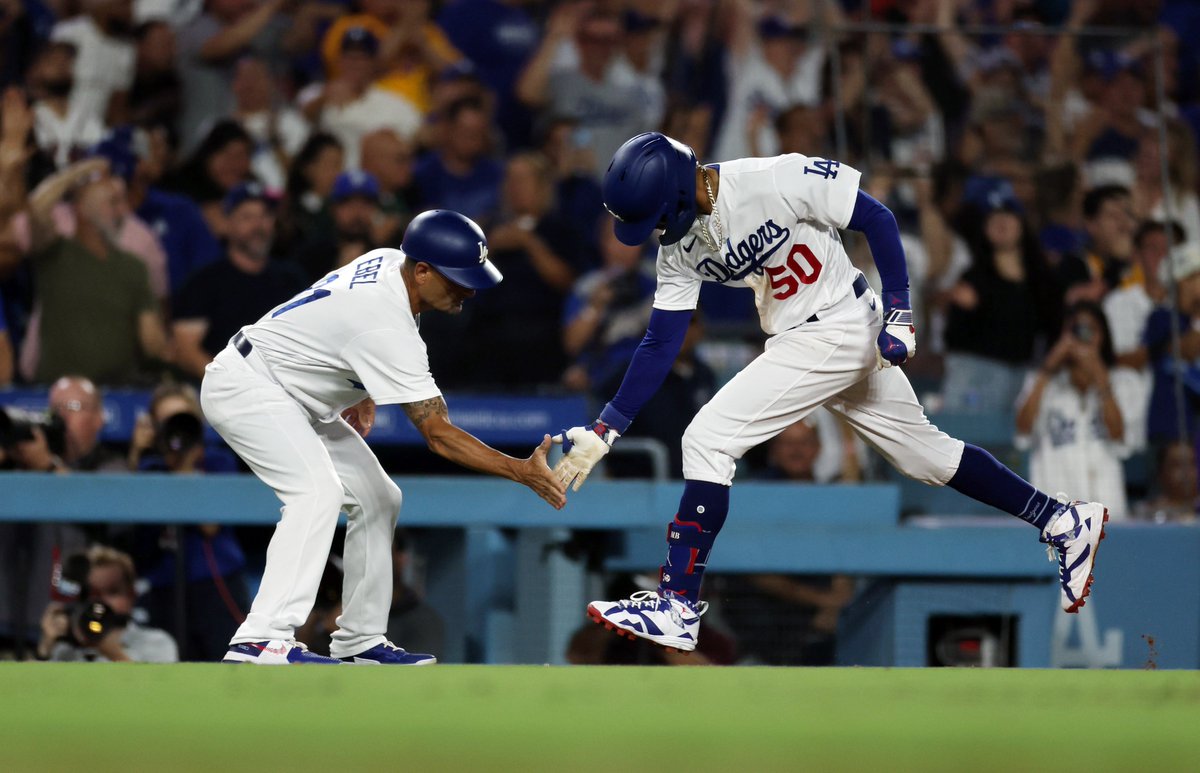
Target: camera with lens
17, 426
89, 619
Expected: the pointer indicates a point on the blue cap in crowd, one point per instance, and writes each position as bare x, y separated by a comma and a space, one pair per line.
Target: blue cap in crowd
355, 183
243, 192
1108, 64
991, 194
360, 39
117, 149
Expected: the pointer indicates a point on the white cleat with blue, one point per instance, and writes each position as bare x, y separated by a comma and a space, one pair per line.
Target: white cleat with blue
662, 617
388, 654
276, 652
1072, 538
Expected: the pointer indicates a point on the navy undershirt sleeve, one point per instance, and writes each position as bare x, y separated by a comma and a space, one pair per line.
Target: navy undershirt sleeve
650, 365
878, 224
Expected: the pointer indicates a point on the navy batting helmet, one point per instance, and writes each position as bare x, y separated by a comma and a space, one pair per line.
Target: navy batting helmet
651, 183
454, 246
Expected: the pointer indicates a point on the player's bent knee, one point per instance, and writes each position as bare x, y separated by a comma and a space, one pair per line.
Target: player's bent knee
702, 460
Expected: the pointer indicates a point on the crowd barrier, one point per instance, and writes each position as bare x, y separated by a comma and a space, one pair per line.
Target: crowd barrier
474, 531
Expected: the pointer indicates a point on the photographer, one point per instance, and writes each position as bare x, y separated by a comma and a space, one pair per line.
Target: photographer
97, 623
1070, 418
67, 438
170, 438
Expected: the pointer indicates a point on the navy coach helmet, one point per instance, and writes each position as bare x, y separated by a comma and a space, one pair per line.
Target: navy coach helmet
454, 245
651, 183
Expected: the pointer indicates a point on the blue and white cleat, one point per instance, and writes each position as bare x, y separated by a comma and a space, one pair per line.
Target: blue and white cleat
1073, 538
388, 654
276, 653
665, 618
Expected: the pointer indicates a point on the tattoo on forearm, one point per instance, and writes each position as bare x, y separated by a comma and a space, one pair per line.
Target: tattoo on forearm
420, 411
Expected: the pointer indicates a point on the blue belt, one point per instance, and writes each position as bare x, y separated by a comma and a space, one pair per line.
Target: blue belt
244, 347
860, 286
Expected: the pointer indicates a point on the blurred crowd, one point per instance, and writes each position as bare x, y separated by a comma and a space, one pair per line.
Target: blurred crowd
172, 169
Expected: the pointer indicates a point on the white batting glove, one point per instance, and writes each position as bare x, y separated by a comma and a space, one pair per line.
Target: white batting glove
583, 448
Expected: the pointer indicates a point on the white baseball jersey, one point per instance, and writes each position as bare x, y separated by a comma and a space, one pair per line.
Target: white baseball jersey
780, 218
350, 335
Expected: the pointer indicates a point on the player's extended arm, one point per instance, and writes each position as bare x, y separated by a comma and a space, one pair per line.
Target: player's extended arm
432, 420
583, 447
897, 340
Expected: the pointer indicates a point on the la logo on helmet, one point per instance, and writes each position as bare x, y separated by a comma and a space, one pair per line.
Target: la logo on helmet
482, 252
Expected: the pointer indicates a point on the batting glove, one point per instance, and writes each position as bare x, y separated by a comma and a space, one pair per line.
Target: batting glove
584, 447
897, 341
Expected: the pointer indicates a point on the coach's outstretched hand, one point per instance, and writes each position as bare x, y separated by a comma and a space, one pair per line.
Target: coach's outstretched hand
537, 475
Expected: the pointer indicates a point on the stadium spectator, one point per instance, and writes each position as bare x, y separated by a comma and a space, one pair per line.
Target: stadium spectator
305, 215
1178, 500
104, 61
389, 158
412, 620
820, 448
99, 316
412, 47
146, 451
63, 127
1149, 201
1165, 425
354, 204
773, 63
176, 220
351, 104
1127, 309
278, 130
156, 96
984, 366
460, 173
499, 37
218, 164
111, 581
1105, 263
606, 313
223, 296
785, 620
209, 47
515, 325
594, 87
1069, 416
216, 590
577, 192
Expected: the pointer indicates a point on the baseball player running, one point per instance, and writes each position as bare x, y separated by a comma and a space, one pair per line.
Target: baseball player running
294, 395
771, 224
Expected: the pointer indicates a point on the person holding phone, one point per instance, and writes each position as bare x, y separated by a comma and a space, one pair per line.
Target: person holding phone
1069, 417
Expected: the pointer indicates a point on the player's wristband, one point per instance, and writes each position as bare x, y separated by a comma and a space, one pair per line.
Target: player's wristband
896, 299
611, 418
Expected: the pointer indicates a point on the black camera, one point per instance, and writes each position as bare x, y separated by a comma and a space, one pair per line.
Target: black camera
179, 433
1083, 331
16, 426
89, 619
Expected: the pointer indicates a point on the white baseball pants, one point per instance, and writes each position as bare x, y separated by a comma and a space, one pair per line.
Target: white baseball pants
830, 362
316, 469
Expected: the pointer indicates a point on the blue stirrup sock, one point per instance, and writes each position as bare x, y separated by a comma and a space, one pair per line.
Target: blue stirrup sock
981, 477
702, 511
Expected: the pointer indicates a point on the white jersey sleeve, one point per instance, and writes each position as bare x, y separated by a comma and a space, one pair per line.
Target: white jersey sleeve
678, 287
817, 189
391, 368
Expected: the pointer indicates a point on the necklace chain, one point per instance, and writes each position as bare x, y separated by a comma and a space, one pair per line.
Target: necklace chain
715, 217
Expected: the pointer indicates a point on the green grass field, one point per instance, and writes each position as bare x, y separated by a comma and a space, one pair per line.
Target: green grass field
100, 717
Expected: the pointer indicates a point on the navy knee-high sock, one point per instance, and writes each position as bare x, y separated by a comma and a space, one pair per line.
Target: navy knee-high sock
702, 511
981, 477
